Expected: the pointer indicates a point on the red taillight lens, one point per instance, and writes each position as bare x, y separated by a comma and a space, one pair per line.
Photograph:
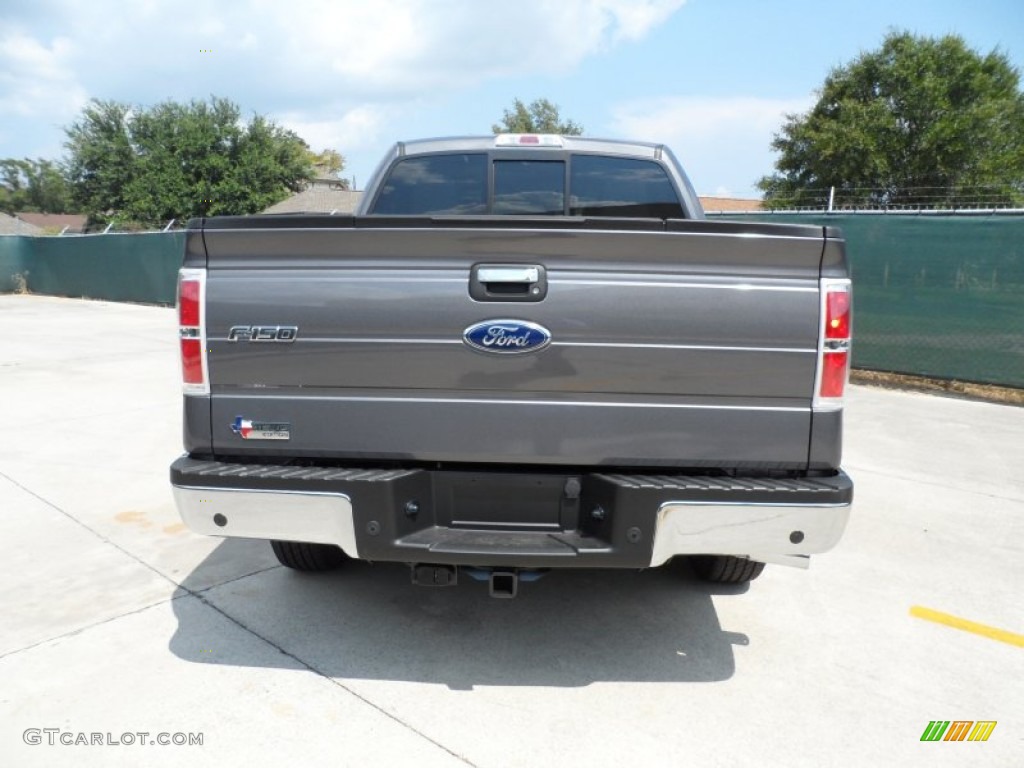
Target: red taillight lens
837, 315
192, 361
833, 373
188, 303
191, 294
834, 343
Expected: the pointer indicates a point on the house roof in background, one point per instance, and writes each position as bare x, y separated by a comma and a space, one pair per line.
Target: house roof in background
714, 204
321, 196
9, 225
75, 222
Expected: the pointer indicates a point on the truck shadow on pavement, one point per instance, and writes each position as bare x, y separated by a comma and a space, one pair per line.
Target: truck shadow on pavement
572, 628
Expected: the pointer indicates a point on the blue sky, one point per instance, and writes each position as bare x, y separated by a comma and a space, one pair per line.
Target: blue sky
710, 78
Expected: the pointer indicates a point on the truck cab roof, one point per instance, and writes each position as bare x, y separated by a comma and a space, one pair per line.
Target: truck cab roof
544, 141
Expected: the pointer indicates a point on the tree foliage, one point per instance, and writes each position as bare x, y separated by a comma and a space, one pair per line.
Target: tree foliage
541, 116
175, 161
33, 185
329, 162
920, 121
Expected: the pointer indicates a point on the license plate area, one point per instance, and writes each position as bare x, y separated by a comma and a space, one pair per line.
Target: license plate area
512, 502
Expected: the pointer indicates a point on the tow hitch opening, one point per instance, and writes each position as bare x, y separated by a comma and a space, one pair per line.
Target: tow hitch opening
504, 584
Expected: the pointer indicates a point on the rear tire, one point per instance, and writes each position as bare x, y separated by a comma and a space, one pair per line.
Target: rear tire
303, 556
726, 569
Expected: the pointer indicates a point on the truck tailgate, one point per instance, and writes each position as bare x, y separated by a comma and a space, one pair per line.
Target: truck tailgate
688, 344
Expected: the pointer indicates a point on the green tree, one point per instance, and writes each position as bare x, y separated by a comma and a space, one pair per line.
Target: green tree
33, 185
329, 162
920, 121
175, 161
541, 116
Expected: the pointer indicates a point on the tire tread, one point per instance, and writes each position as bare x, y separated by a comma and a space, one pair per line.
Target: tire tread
726, 569
305, 556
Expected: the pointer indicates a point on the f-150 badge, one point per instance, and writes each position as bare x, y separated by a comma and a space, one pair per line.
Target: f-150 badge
261, 430
507, 337
263, 333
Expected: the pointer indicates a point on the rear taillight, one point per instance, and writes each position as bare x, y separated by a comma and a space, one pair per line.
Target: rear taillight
833, 344
837, 313
835, 368
192, 331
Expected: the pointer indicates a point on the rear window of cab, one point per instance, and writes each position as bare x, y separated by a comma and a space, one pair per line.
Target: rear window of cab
585, 185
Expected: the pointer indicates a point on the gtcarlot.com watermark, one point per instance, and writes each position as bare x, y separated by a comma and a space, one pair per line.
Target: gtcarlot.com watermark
54, 736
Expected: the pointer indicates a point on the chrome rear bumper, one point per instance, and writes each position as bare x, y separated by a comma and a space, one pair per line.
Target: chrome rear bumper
631, 521
322, 518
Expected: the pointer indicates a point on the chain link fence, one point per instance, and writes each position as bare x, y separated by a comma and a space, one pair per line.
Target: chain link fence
934, 295
979, 197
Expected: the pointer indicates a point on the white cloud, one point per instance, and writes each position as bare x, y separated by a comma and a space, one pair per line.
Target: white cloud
357, 128
36, 78
724, 143
634, 20
384, 49
406, 46
326, 68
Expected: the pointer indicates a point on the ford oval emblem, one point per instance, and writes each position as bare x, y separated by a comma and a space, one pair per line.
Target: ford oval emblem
507, 337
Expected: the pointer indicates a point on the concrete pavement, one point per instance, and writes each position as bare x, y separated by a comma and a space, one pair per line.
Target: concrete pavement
116, 620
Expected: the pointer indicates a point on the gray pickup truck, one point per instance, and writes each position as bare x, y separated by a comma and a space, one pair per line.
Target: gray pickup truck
523, 352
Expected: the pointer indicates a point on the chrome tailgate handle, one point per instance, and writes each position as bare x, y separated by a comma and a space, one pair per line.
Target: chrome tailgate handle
508, 274
508, 282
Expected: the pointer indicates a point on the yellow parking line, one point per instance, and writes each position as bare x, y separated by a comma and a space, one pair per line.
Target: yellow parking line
956, 622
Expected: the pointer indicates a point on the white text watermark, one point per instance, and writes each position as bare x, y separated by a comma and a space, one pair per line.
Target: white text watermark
54, 736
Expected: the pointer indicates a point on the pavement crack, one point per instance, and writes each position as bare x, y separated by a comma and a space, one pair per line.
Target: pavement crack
90, 529
232, 580
933, 483
312, 668
198, 594
87, 627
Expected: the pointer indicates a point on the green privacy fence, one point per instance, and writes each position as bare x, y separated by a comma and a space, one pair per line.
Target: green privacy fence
934, 295
15, 252
137, 267
939, 296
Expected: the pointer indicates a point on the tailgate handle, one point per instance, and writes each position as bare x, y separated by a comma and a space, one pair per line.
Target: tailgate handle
508, 282
508, 274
